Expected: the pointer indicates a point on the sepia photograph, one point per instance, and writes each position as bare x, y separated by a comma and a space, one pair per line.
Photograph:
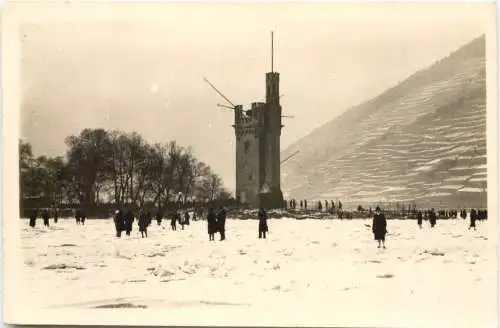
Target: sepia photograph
257, 164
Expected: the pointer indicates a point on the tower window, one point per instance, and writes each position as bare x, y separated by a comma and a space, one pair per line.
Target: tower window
247, 146
250, 177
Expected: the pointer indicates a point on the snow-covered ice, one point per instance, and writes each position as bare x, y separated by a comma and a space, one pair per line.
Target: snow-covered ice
313, 272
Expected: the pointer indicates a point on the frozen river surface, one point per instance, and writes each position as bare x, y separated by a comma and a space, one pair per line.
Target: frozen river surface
308, 272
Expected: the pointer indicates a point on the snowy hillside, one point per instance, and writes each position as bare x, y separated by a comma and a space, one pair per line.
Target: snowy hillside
423, 140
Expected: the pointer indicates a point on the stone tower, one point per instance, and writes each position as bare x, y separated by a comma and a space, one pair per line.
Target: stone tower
258, 132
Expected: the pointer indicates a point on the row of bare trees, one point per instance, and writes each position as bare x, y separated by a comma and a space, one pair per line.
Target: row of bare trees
103, 166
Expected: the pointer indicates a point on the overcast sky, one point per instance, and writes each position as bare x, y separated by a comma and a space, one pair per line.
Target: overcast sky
147, 75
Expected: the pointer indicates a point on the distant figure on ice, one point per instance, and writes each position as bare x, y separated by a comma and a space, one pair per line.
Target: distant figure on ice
46, 216
143, 223
326, 206
432, 218
159, 217
320, 206
186, 218
419, 219
212, 224
305, 204
119, 223
263, 228
80, 216
479, 215
56, 215
463, 214
33, 216
473, 218
173, 220
129, 221
149, 217
180, 219
77, 216
483, 215
221, 223
301, 204
379, 227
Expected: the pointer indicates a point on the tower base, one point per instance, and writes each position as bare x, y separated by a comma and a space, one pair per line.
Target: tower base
271, 200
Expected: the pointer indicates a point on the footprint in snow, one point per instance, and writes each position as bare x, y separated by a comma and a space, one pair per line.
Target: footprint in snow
386, 276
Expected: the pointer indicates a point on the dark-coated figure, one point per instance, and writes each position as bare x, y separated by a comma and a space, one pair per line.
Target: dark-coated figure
420, 219
432, 218
473, 218
81, 217
45, 217
143, 223
129, 222
180, 219
263, 228
33, 216
173, 220
119, 222
56, 215
186, 218
159, 217
149, 217
221, 223
212, 224
379, 227
77, 216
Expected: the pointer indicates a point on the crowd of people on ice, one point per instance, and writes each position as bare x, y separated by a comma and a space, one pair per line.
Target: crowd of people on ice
216, 219
329, 205
379, 223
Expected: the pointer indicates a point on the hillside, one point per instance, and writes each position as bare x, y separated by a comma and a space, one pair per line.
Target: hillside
423, 140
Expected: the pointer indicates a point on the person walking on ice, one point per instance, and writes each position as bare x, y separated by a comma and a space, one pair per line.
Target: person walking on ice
473, 218
45, 217
143, 224
221, 223
263, 228
379, 227
173, 220
419, 219
211, 224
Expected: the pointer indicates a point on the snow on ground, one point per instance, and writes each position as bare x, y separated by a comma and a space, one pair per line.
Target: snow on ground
325, 272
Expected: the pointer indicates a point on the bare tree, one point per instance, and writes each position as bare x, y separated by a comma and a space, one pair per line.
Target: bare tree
121, 166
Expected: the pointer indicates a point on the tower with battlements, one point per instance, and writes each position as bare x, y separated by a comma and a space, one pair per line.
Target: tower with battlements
258, 133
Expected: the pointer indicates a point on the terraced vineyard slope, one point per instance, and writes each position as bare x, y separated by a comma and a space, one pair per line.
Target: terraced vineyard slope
423, 140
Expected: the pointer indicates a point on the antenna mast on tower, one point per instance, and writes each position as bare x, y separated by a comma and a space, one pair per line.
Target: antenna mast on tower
272, 51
